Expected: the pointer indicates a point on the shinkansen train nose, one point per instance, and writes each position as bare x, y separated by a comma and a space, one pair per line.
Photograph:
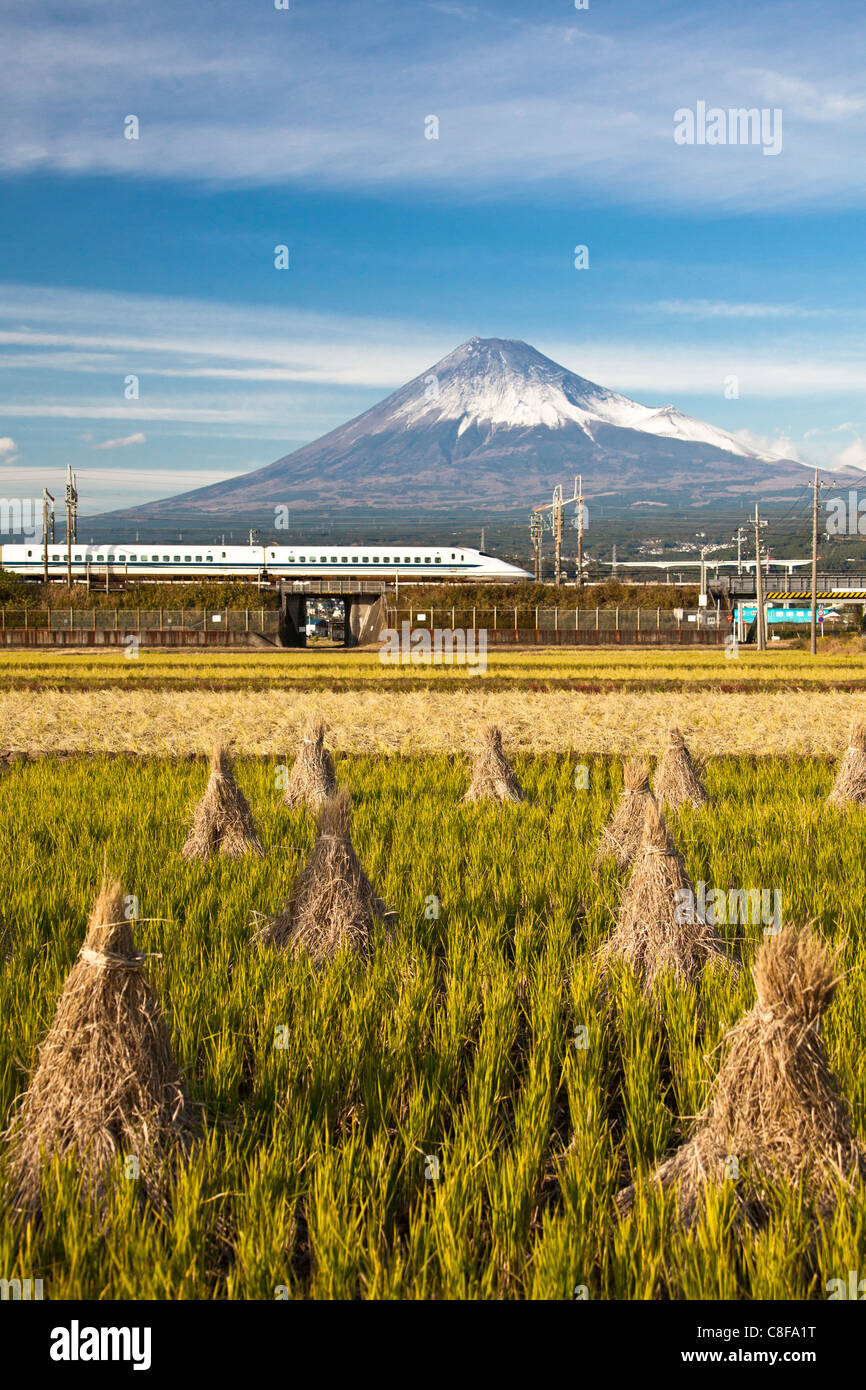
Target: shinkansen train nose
506, 570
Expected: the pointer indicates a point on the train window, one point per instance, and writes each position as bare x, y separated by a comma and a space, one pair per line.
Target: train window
167, 558
344, 559
224, 555
386, 559
99, 559
30, 552
302, 559
273, 555
208, 557
417, 560
77, 559
426, 559
453, 556
333, 559
122, 558
365, 559
408, 560
198, 559
187, 559
323, 559
375, 559
155, 559
438, 560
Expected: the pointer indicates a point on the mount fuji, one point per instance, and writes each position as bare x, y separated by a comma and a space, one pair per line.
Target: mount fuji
496, 424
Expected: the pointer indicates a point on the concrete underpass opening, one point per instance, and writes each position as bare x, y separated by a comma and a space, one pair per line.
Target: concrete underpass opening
331, 615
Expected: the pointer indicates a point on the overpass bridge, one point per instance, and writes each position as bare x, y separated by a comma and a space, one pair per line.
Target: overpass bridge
836, 588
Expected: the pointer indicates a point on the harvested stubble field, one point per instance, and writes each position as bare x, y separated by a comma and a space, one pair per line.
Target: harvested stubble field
453, 1044
381, 720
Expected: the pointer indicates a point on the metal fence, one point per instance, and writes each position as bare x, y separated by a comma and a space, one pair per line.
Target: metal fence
500, 619
58, 619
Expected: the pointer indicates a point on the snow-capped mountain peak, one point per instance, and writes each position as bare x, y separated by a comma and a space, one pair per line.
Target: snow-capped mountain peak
490, 383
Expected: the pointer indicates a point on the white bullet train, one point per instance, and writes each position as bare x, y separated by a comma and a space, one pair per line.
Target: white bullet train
150, 560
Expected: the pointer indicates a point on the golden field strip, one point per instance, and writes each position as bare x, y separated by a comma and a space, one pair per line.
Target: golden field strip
665, 668
377, 720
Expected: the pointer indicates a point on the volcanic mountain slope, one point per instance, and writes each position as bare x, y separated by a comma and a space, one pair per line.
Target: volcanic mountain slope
496, 424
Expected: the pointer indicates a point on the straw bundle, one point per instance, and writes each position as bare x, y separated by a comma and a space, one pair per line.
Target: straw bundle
658, 928
676, 782
493, 776
850, 784
332, 903
105, 1084
223, 820
312, 779
621, 837
776, 1106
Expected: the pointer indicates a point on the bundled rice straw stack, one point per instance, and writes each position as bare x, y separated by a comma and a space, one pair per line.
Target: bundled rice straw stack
493, 777
223, 820
850, 785
106, 1084
332, 903
676, 782
621, 837
312, 778
659, 928
776, 1106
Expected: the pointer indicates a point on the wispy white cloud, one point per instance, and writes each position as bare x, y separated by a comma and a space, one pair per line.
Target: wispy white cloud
848, 427
854, 456
7, 446
123, 442
780, 445
722, 309
104, 488
311, 371
310, 98
197, 337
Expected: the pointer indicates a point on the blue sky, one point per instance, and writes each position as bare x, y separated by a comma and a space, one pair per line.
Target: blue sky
306, 127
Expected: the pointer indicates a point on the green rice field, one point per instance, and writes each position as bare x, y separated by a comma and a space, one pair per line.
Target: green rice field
425, 1125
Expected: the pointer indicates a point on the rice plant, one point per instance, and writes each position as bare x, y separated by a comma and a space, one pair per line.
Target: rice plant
453, 1115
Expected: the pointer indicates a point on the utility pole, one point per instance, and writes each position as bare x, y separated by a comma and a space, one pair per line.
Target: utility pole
613, 563
580, 531
740, 537
536, 530
759, 580
813, 624
46, 498
71, 520
482, 540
